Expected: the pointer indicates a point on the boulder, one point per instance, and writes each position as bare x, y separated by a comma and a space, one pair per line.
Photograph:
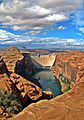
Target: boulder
25, 87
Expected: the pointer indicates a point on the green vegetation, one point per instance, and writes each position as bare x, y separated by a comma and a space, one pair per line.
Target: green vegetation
65, 81
9, 102
67, 88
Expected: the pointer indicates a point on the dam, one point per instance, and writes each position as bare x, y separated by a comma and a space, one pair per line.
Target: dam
44, 75
42, 61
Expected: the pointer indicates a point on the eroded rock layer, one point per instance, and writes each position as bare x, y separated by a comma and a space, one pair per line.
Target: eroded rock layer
12, 67
69, 106
69, 64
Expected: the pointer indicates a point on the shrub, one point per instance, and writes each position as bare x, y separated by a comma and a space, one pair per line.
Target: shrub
10, 102
67, 88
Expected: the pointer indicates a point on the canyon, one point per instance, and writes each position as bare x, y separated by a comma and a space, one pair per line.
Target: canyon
16, 70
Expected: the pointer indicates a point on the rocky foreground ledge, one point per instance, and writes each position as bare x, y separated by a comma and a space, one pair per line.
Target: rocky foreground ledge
69, 106
11, 81
14, 78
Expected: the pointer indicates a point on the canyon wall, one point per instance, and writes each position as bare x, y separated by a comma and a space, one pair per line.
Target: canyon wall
69, 106
12, 71
69, 64
68, 68
15, 77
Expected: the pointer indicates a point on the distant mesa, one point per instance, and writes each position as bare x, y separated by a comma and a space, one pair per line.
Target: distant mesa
13, 48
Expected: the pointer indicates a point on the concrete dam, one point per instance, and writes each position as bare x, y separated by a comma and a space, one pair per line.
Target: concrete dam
43, 60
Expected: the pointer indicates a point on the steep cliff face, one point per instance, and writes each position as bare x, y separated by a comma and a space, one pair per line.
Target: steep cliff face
4, 79
14, 82
68, 67
17, 62
26, 91
10, 57
69, 64
69, 106
14, 69
25, 66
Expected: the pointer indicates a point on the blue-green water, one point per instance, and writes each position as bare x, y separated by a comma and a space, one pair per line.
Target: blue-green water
48, 82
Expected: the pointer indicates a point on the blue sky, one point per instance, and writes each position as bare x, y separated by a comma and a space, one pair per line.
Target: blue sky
38, 24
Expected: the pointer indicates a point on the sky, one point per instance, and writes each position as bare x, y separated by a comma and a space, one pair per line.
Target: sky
46, 24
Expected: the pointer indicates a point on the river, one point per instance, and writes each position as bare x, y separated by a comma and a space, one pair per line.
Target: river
48, 81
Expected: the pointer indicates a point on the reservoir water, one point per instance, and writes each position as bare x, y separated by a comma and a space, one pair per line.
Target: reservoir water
48, 81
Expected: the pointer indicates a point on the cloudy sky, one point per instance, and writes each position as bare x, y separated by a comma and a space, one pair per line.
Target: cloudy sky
42, 23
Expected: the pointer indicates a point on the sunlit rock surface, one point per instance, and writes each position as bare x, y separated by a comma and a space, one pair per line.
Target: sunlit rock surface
11, 76
69, 106
69, 64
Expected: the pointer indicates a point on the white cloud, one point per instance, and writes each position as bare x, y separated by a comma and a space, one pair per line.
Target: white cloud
10, 38
35, 14
70, 40
7, 38
56, 18
4, 34
40, 11
33, 32
81, 29
79, 17
61, 28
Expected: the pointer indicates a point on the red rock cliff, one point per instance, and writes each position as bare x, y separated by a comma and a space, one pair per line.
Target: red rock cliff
69, 64
13, 70
69, 106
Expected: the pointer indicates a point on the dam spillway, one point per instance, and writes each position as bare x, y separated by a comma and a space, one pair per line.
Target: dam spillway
43, 74
43, 60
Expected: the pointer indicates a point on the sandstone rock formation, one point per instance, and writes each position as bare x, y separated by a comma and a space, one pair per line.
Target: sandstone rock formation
10, 57
69, 106
13, 49
13, 70
25, 88
69, 63
4, 79
11, 80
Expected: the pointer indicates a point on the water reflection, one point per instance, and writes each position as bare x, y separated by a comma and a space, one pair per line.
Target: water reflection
48, 82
